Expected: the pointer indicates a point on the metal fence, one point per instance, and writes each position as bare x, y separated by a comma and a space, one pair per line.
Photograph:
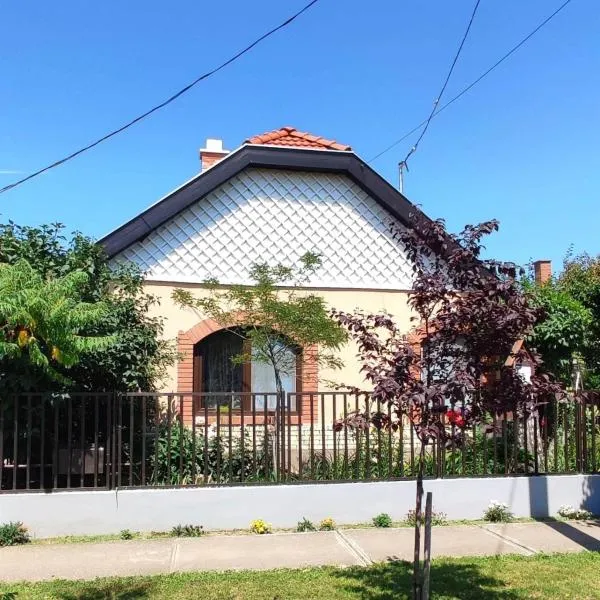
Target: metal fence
55, 441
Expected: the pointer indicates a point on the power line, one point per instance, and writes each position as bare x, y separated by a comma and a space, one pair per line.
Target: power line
162, 104
474, 83
439, 96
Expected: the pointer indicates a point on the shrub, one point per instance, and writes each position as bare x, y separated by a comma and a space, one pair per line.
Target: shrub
126, 534
378, 458
261, 527
187, 531
382, 520
13, 533
437, 518
179, 458
498, 512
305, 525
578, 514
482, 452
327, 524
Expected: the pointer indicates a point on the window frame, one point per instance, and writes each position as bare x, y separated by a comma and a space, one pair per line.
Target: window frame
246, 392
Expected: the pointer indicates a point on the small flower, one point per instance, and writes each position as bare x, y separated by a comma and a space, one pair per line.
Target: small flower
455, 418
260, 527
327, 524
22, 338
498, 511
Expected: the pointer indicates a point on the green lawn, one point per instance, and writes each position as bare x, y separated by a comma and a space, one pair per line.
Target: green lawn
496, 578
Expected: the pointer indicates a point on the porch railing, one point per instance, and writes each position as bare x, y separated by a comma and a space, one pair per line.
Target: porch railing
91, 441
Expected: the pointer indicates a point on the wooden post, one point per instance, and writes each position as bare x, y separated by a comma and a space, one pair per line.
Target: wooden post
417, 579
427, 549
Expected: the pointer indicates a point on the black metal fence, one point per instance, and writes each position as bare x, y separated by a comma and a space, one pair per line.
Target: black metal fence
53, 441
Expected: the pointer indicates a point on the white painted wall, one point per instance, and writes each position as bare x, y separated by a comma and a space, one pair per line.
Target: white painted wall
98, 512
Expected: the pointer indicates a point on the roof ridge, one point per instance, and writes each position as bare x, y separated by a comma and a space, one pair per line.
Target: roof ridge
310, 140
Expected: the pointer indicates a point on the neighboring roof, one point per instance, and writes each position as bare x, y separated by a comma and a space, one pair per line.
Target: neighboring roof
290, 136
261, 156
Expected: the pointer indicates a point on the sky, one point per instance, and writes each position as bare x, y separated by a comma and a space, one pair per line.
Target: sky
522, 146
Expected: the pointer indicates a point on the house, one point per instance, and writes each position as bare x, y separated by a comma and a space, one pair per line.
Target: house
274, 198
271, 200
277, 196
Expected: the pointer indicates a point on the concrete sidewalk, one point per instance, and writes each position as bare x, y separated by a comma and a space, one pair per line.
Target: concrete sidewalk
338, 548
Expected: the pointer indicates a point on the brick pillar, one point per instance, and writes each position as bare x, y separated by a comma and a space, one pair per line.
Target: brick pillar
185, 366
310, 383
543, 271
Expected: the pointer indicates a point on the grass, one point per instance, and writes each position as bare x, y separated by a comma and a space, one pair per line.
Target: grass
406, 524
152, 535
495, 578
135, 535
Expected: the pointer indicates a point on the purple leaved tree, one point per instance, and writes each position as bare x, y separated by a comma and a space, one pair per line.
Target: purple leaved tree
457, 368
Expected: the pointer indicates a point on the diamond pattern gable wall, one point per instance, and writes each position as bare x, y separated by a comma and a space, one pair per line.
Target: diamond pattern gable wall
275, 216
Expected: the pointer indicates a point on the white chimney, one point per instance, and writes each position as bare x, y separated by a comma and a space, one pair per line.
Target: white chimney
212, 153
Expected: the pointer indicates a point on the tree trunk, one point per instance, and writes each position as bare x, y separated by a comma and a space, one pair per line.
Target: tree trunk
427, 547
417, 580
279, 434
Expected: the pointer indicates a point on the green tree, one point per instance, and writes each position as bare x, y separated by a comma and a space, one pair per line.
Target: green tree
580, 278
276, 311
42, 323
569, 327
562, 333
138, 356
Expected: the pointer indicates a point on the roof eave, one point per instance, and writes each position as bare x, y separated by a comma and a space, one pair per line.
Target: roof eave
260, 156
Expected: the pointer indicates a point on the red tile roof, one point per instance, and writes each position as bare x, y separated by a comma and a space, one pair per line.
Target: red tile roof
290, 136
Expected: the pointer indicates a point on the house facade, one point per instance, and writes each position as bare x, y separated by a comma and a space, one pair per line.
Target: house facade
276, 197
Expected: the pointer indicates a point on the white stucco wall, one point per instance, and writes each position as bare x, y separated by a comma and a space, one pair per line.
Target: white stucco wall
101, 512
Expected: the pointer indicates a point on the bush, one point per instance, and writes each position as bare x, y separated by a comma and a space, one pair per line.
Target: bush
187, 531
437, 518
305, 525
260, 527
372, 457
382, 520
498, 512
578, 514
126, 534
327, 524
482, 452
13, 534
179, 458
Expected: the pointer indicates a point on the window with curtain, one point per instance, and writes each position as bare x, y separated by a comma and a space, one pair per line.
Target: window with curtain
216, 374
263, 376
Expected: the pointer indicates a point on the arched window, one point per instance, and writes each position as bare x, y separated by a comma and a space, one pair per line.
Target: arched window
221, 378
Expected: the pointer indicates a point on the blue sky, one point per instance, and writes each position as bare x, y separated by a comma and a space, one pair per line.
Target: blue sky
521, 147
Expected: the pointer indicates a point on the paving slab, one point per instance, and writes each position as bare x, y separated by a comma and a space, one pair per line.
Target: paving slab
383, 544
86, 561
551, 536
398, 544
151, 557
293, 550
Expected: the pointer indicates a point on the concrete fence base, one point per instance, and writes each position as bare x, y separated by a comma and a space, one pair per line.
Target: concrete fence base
103, 512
